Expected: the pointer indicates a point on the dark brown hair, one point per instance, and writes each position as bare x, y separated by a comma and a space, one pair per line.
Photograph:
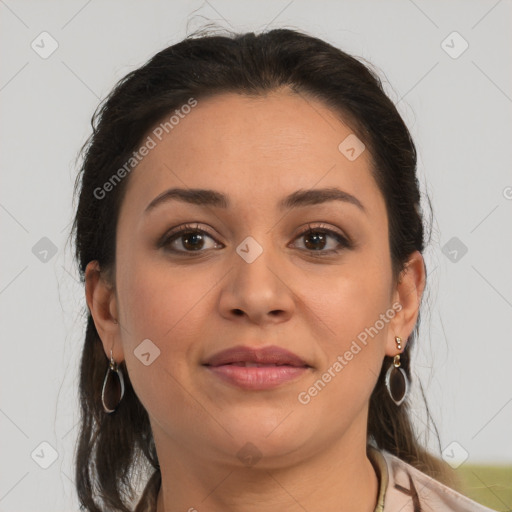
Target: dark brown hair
113, 449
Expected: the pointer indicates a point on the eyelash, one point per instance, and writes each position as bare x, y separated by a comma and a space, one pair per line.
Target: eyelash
168, 238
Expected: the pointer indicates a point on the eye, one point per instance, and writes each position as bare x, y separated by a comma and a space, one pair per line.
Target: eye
193, 239
189, 237
316, 239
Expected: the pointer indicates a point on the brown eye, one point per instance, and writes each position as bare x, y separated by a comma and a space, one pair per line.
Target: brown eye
187, 239
192, 240
316, 239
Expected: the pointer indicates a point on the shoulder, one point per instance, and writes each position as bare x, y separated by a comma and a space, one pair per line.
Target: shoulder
408, 489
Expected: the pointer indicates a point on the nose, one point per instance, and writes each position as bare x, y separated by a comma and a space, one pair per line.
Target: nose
257, 289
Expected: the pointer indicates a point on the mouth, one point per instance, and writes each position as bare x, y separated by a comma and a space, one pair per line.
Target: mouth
256, 368
253, 364
254, 357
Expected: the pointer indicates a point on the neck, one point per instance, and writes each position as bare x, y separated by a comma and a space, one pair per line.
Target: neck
339, 478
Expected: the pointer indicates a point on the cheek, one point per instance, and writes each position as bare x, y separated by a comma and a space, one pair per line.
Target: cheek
355, 313
164, 306
157, 302
354, 298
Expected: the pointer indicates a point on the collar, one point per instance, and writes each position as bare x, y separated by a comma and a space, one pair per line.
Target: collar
405, 488
381, 469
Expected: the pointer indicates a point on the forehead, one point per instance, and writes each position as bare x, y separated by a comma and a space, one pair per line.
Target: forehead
260, 148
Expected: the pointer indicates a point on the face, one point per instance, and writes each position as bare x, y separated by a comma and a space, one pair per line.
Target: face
309, 277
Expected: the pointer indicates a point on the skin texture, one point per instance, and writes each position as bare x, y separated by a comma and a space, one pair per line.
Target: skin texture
255, 150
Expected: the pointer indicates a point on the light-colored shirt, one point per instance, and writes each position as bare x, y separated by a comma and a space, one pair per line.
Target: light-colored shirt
403, 488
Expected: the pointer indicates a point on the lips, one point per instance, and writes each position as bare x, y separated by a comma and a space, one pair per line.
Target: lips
256, 357
256, 369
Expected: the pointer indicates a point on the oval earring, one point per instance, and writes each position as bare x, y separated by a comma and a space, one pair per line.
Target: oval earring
397, 382
113, 387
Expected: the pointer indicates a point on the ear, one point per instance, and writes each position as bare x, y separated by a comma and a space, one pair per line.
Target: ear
101, 299
408, 293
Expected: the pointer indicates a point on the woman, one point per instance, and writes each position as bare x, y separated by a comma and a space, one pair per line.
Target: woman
250, 237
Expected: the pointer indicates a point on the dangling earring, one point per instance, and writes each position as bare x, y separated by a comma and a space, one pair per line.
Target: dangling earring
113, 392
397, 382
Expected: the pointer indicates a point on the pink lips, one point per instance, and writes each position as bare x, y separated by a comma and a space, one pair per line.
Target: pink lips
256, 369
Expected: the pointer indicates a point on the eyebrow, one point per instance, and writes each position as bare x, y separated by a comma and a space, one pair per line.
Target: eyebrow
208, 197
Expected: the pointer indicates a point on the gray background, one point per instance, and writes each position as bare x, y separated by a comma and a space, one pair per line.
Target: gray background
458, 108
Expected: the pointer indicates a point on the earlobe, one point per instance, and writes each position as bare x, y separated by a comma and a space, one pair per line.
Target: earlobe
408, 293
101, 301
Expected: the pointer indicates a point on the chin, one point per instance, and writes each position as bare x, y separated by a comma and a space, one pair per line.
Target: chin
263, 438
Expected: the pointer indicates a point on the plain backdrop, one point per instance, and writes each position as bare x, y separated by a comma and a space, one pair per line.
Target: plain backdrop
447, 66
